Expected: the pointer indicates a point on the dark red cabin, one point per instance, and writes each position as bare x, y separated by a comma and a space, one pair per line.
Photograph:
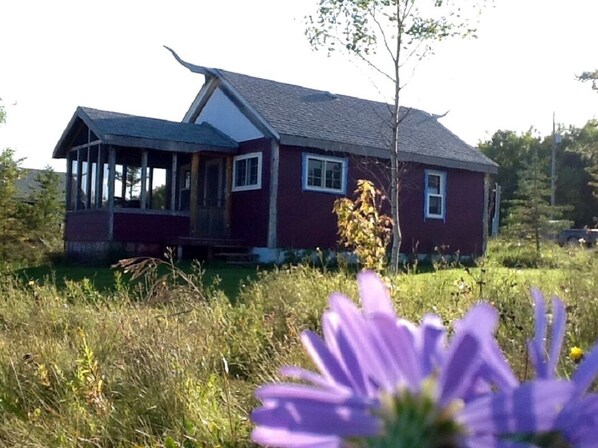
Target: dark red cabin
260, 163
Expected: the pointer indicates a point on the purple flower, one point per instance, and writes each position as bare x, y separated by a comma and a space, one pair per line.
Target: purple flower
384, 381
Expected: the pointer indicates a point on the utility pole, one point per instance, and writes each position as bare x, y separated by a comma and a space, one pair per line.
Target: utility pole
553, 165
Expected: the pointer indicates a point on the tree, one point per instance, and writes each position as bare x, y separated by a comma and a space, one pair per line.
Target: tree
11, 223
590, 76
45, 211
584, 142
530, 213
131, 179
404, 31
362, 227
513, 152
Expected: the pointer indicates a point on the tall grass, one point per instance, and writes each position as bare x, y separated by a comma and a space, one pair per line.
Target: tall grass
174, 364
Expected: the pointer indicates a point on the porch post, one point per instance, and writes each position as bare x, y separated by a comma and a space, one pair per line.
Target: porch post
78, 183
124, 183
111, 182
143, 194
485, 212
272, 210
99, 177
88, 180
173, 179
194, 203
228, 186
69, 181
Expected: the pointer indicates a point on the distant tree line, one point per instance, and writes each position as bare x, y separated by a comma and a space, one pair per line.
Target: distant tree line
525, 170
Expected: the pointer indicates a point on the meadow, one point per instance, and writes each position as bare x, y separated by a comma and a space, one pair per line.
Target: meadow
171, 359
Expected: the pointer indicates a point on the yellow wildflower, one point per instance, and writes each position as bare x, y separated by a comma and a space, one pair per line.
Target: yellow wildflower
576, 354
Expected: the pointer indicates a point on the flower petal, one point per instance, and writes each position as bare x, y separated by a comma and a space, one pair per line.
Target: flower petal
307, 409
460, 367
362, 342
337, 343
374, 294
587, 371
283, 438
536, 346
403, 364
531, 407
558, 334
325, 361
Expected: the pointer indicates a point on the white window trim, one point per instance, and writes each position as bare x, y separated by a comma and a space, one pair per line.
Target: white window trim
250, 155
341, 160
441, 195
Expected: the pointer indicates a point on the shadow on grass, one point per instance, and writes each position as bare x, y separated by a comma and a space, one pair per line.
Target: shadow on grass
102, 277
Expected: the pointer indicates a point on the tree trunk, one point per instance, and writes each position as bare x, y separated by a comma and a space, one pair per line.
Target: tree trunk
394, 155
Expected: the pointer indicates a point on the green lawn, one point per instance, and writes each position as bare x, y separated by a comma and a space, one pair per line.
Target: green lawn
103, 278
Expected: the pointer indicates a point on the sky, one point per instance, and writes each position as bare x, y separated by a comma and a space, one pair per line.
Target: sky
60, 54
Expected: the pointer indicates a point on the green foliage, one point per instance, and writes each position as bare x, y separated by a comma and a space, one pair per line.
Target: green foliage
530, 213
30, 227
12, 241
584, 142
514, 151
590, 76
362, 227
365, 27
44, 212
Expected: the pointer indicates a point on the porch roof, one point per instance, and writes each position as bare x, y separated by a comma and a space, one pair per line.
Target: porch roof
140, 132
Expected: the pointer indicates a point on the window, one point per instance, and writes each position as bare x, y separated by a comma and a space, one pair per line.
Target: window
328, 174
435, 194
247, 172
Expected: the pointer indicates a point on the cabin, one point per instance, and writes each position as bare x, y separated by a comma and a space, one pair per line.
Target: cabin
256, 165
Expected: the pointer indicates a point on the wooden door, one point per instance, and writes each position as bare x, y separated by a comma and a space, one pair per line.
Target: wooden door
211, 210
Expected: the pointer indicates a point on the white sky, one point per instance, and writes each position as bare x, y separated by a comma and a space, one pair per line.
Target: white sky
58, 54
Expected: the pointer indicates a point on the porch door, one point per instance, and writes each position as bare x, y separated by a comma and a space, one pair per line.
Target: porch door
211, 213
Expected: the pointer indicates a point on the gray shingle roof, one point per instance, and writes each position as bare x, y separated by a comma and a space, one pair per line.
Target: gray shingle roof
312, 117
143, 132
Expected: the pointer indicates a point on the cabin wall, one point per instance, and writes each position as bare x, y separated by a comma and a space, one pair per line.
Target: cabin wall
150, 228
249, 209
87, 225
462, 229
306, 220
87, 237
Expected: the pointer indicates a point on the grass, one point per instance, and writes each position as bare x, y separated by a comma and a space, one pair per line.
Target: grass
173, 362
228, 278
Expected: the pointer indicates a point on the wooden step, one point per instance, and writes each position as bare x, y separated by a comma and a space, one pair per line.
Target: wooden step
237, 257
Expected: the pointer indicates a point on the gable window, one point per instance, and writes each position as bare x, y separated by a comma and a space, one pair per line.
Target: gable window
435, 194
328, 174
247, 172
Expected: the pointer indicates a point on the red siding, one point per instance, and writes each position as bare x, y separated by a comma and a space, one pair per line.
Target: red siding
149, 228
462, 228
86, 225
249, 209
305, 219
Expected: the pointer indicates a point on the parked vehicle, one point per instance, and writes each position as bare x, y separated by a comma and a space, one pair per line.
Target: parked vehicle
586, 236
